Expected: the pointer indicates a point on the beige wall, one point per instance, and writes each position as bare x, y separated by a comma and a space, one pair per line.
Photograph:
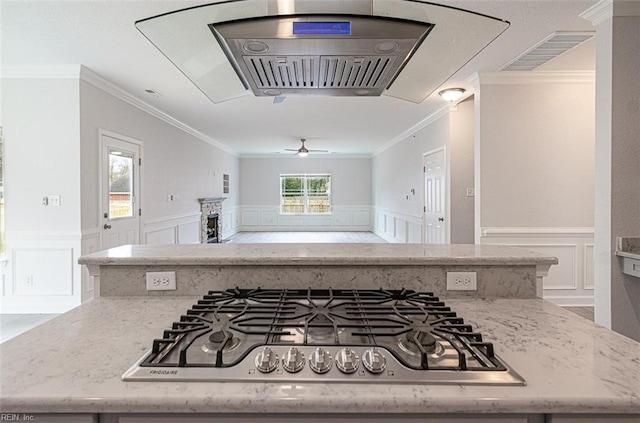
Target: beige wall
174, 161
350, 179
537, 154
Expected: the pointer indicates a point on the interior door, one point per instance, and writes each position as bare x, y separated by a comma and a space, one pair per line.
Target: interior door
120, 187
434, 197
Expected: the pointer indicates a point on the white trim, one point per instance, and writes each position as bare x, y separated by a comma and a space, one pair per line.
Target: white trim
537, 77
19, 237
533, 231
171, 221
90, 77
569, 279
585, 261
399, 230
443, 111
140, 180
607, 9
268, 218
41, 72
570, 301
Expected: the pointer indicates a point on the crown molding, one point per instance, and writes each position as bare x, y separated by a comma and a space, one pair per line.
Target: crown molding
97, 81
536, 77
41, 72
444, 110
607, 9
87, 75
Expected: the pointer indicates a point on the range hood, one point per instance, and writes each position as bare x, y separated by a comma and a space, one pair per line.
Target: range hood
400, 48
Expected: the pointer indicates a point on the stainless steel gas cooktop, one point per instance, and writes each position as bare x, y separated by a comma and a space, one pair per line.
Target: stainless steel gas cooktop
322, 335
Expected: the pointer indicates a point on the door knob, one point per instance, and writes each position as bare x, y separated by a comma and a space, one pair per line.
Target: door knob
440, 219
107, 226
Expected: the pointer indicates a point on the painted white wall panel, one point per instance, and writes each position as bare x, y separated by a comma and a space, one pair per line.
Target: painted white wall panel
189, 233
161, 237
43, 272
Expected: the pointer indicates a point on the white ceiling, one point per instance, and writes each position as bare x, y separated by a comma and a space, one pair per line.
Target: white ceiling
101, 36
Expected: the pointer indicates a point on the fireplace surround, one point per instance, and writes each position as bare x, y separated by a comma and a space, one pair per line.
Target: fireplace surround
211, 220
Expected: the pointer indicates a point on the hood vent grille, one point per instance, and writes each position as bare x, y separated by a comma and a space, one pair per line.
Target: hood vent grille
326, 72
272, 60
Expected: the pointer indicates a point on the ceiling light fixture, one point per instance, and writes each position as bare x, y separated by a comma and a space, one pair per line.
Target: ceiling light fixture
451, 94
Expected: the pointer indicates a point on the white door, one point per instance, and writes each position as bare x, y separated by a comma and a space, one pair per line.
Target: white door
434, 197
120, 188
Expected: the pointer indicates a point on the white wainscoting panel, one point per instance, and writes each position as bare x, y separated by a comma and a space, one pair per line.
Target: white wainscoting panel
42, 273
160, 236
589, 278
250, 219
189, 233
176, 229
269, 218
341, 218
398, 227
230, 221
570, 282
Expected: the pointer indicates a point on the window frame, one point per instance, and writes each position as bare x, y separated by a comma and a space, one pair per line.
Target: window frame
305, 194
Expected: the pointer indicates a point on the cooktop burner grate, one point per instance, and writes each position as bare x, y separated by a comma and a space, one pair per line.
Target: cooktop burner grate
418, 329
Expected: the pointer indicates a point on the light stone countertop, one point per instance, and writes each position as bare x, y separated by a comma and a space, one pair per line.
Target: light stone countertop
74, 363
317, 254
628, 247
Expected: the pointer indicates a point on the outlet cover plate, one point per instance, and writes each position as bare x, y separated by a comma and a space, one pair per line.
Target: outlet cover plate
462, 281
161, 281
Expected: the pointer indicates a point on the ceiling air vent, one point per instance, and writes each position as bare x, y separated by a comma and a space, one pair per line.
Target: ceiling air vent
551, 47
319, 55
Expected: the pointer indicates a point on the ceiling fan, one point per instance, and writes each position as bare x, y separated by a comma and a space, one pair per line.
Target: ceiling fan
303, 151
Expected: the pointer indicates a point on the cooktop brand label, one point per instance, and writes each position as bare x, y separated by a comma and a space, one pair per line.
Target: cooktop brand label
163, 372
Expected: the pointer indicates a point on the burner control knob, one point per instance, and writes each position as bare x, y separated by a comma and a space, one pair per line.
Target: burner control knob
374, 360
320, 360
293, 360
266, 360
347, 360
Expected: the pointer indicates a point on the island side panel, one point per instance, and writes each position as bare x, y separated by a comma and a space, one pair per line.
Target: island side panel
493, 281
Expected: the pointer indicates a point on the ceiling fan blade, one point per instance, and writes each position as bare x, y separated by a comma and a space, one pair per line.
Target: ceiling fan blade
318, 151
290, 149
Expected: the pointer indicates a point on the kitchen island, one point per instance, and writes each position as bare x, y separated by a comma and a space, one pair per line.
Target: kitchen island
74, 364
575, 370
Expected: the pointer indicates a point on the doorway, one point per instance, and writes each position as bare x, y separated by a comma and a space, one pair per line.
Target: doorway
120, 190
435, 205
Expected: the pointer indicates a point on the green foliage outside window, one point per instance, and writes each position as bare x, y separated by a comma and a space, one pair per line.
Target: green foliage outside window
305, 194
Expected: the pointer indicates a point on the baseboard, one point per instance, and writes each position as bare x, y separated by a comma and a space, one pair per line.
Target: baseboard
569, 301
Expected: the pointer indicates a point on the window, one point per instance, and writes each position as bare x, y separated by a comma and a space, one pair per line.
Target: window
305, 194
120, 184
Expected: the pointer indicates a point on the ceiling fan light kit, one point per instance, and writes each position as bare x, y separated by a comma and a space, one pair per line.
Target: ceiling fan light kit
303, 151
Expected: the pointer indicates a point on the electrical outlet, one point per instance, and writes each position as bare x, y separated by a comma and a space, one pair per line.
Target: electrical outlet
161, 281
462, 281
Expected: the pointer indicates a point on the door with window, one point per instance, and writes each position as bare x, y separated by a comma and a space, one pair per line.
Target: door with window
120, 187
435, 197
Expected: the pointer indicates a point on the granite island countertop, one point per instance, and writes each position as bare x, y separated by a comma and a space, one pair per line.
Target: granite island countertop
297, 254
74, 363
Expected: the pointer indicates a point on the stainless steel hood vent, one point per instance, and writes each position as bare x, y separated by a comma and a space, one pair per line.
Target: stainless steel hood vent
400, 48
328, 55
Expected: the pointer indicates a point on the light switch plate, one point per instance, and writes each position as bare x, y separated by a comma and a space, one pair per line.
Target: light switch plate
161, 281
